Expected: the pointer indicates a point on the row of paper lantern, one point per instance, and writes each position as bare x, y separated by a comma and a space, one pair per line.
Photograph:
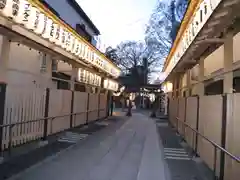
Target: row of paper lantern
22, 12
198, 20
88, 77
111, 85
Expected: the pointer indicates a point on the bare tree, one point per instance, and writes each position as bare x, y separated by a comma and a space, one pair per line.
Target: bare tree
181, 6
133, 53
163, 26
148, 56
111, 53
158, 30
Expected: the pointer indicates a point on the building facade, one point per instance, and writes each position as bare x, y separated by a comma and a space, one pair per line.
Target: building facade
75, 17
34, 40
202, 82
71, 12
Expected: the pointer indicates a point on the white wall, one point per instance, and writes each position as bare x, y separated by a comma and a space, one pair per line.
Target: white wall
214, 61
64, 68
24, 67
68, 14
236, 44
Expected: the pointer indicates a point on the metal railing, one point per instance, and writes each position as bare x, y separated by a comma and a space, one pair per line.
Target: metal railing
45, 130
215, 145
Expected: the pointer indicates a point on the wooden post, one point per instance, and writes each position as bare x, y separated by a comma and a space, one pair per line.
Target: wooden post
45, 130
2, 109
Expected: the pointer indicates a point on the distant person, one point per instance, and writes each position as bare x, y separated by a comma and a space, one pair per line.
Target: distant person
122, 101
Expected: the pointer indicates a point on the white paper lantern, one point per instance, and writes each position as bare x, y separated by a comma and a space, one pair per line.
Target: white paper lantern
74, 41
63, 38
90, 77
84, 75
82, 51
47, 30
99, 81
78, 52
213, 4
57, 34
105, 65
53, 32
86, 53
98, 61
17, 9
69, 41
30, 14
92, 56
40, 23
60, 31
94, 79
26, 13
80, 74
6, 7
89, 55
77, 47
94, 59
105, 84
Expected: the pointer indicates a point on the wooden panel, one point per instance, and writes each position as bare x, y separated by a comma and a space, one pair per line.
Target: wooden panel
181, 115
22, 105
210, 122
236, 43
93, 107
80, 106
59, 105
191, 120
173, 108
214, 61
103, 105
232, 169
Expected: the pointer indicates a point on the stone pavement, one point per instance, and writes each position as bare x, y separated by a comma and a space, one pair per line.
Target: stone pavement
30, 154
182, 163
132, 152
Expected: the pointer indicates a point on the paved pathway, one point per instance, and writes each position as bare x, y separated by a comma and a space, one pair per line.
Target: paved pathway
132, 153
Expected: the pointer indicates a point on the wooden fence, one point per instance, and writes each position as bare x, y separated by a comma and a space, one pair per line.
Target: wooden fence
29, 105
215, 117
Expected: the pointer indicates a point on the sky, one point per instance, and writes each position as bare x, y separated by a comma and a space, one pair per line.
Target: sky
119, 20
